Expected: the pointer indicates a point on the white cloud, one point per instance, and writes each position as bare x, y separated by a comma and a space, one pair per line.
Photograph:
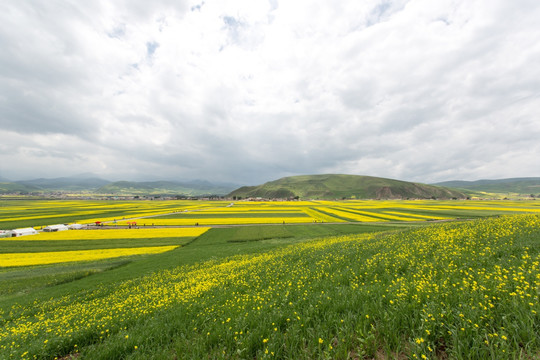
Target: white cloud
249, 91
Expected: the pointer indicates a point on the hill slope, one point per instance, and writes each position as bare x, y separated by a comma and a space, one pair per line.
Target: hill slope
530, 185
16, 188
332, 186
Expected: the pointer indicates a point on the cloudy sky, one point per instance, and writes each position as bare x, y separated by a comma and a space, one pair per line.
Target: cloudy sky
247, 91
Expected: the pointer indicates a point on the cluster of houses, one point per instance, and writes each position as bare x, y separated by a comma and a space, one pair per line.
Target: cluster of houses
32, 231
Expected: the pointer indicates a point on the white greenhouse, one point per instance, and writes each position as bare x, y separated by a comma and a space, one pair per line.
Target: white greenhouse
23, 232
53, 228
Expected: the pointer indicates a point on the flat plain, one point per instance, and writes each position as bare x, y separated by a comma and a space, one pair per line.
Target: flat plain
288, 280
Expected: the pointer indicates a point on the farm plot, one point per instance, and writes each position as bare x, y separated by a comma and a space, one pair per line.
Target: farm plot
37, 213
53, 257
92, 241
452, 290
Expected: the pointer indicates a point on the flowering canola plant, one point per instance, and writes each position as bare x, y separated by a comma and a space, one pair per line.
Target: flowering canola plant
52, 257
454, 290
227, 221
140, 233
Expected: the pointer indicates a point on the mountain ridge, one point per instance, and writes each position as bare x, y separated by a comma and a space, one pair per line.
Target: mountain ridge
94, 185
341, 186
520, 185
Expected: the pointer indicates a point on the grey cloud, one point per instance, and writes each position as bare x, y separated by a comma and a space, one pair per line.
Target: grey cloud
48, 113
425, 94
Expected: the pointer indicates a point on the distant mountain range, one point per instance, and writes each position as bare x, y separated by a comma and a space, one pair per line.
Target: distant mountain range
192, 188
65, 183
94, 185
329, 186
333, 186
523, 186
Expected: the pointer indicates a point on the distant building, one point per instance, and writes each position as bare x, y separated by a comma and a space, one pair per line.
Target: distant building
23, 232
53, 228
75, 226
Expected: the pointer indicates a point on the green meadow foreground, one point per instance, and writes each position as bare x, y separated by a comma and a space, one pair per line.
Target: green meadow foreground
349, 289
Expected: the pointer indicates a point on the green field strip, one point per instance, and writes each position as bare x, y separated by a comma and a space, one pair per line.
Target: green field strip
415, 212
365, 213
414, 216
338, 218
26, 280
319, 216
449, 213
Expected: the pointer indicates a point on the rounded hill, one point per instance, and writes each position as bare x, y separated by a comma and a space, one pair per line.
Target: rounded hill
334, 186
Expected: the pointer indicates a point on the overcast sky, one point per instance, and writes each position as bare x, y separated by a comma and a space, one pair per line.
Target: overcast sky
249, 91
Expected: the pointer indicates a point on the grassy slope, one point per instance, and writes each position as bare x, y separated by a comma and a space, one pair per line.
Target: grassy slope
11, 187
216, 243
333, 186
472, 296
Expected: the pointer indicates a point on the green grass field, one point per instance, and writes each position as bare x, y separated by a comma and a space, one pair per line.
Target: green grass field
361, 290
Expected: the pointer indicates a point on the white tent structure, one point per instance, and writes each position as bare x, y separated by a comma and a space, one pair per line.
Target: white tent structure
53, 228
75, 226
23, 232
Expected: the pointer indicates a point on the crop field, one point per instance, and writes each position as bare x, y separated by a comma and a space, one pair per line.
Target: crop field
51, 257
40, 213
284, 280
25, 213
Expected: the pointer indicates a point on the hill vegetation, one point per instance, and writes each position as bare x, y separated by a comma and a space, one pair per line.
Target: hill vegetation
524, 186
65, 184
11, 187
100, 186
333, 186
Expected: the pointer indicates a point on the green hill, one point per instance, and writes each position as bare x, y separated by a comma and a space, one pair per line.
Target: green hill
525, 186
15, 188
333, 186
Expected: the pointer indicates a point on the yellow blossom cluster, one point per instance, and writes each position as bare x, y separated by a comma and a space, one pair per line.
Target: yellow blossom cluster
52, 257
140, 233
448, 288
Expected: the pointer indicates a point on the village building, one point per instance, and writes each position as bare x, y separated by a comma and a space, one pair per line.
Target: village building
54, 228
23, 232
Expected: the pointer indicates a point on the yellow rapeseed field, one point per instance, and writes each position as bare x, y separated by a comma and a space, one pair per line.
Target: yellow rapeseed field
453, 289
140, 233
227, 221
42, 258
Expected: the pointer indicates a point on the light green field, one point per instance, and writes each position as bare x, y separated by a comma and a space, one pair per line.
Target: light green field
349, 289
